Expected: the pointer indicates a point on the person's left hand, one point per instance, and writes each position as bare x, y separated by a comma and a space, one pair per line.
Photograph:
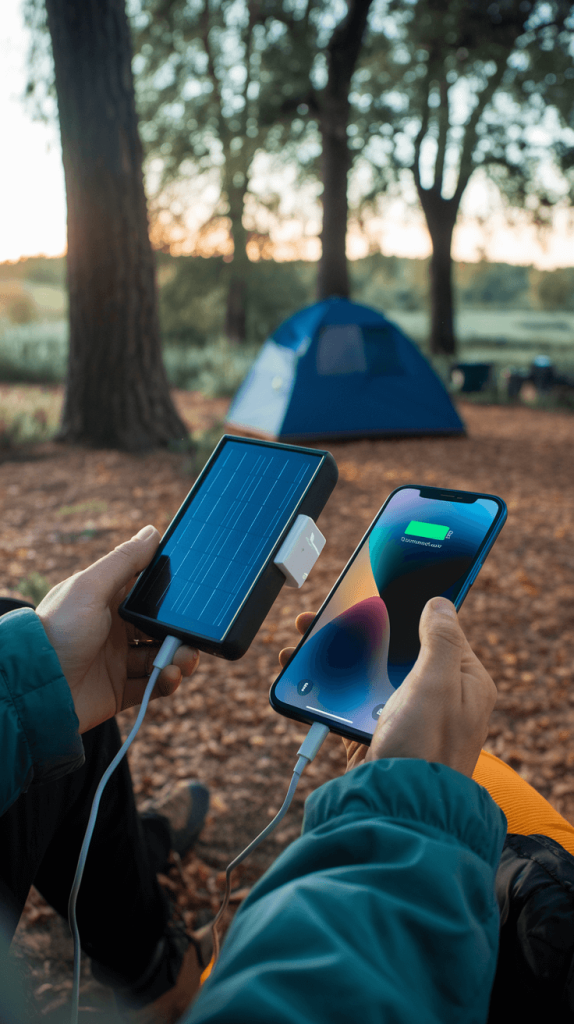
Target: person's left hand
302, 623
105, 673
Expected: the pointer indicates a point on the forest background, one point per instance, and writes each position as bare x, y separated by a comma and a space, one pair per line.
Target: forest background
506, 315
246, 108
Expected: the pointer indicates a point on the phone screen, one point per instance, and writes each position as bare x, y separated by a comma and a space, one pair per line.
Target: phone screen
366, 639
222, 538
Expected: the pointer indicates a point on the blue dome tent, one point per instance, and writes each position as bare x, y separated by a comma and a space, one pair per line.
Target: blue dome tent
341, 370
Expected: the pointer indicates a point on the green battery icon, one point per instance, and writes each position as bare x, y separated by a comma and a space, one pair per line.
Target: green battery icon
429, 530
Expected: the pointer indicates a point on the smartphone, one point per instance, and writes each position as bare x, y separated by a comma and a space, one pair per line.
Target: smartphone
424, 542
213, 580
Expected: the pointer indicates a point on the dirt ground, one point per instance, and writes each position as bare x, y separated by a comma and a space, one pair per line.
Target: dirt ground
63, 508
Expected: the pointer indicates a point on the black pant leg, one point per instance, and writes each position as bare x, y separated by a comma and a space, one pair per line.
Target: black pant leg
122, 911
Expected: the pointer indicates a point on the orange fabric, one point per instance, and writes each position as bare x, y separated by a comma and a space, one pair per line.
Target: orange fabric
527, 812
207, 972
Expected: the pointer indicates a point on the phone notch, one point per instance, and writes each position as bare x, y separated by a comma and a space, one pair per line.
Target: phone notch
442, 495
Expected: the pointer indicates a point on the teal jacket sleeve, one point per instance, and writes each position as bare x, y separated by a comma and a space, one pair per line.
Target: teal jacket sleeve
382, 911
39, 738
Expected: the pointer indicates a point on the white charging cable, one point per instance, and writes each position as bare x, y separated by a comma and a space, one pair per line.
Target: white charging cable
306, 753
163, 658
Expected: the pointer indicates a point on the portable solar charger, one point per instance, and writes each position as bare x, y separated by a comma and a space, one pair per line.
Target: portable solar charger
245, 529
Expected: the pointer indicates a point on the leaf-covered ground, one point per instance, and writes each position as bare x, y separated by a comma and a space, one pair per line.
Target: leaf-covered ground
67, 507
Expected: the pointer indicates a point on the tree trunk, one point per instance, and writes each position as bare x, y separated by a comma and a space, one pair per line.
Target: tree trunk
235, 313
442, 336
343, 52
333, 275
440, 217
117, 394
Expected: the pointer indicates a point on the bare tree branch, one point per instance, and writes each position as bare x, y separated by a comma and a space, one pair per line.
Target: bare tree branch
204, 35
467, 166
416, 165
443, 127
345, 45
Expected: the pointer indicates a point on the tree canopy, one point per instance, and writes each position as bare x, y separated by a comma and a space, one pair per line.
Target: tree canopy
432, 90
215, 81
449, 87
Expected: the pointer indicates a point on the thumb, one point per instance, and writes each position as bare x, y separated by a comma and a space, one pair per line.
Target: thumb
114, 571
442, 639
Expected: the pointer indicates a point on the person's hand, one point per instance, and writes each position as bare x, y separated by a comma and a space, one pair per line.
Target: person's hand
442, 709
105, 672
302, 623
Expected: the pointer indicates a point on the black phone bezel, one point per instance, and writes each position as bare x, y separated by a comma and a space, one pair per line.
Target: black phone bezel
264, 590
440, 493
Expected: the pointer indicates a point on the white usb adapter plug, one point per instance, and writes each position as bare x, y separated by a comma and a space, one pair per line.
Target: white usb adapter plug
299, 551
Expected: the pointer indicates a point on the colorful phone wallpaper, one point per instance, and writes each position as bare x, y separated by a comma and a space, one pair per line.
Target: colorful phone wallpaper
366, 640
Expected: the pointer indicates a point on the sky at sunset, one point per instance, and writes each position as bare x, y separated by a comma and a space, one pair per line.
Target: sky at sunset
33, 218
31, 177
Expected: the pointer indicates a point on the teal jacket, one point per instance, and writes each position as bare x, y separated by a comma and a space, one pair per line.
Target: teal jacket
39, 737
382, 912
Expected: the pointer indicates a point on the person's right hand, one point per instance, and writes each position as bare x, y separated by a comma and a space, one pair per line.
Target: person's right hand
442, 709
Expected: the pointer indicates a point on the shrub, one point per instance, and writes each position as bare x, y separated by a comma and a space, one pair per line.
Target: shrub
25, 428
34, 353
192, 300
38, 354
555, 289
45, 270
21, 309
217, 370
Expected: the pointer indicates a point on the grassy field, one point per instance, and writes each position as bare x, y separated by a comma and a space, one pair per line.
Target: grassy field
33, 358
505, 316
512, 336
506, 337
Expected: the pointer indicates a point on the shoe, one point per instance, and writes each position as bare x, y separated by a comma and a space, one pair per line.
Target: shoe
184, 808
171, 1006
193, 952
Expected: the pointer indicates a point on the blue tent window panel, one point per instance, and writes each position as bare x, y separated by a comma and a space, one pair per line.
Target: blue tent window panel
381, 353
348, 348
341, 351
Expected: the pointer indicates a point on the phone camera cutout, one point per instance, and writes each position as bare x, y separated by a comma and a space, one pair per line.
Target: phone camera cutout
304, 687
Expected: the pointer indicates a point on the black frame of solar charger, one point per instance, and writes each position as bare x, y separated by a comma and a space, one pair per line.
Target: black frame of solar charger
263, 592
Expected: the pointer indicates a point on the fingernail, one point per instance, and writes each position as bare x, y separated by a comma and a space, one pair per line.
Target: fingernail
443, 607
192, 659
190, 652
144, 533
